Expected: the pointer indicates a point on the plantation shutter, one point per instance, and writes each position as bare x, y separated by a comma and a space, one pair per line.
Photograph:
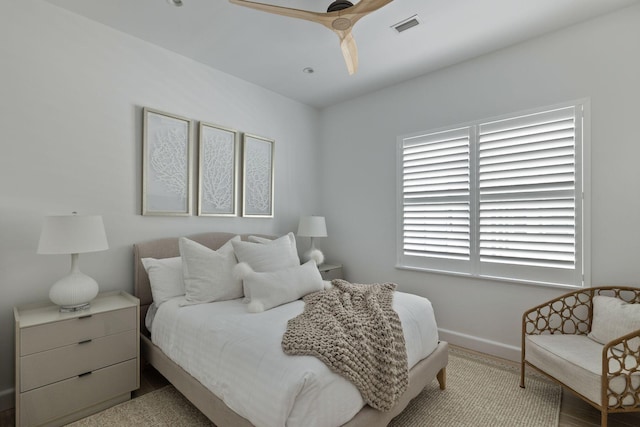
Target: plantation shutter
436, 195
505, 199
527, 190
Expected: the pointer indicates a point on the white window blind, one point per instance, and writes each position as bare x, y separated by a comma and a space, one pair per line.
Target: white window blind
500, 199
527, 190
436, 196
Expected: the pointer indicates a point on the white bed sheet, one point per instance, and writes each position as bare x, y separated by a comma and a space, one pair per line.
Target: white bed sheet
238, 356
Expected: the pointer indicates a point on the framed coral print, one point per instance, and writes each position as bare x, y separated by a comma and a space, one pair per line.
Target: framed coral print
257, 176
218, 171
166, 163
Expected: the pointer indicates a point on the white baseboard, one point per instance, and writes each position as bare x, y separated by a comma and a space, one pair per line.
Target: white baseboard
7, 399
482, 345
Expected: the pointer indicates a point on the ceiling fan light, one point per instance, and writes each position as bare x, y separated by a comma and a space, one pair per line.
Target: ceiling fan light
341, 24
176, 3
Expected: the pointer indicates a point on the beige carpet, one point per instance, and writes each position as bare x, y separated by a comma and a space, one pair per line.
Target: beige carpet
484, 392
480, 392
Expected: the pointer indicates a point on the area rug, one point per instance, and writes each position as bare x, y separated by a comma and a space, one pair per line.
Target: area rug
480, 392
483, 391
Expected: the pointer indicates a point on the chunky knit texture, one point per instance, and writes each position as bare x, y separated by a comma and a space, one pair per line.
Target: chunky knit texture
354, 330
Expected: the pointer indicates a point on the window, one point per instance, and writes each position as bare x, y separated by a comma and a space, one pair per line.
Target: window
501, 199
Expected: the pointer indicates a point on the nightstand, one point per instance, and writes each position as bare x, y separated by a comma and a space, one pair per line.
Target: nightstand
330, 271
71, 365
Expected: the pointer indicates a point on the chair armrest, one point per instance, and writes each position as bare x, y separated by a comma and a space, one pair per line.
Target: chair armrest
621, 358
567, 314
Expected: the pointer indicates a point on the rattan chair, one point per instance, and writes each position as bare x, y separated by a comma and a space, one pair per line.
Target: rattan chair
615, 384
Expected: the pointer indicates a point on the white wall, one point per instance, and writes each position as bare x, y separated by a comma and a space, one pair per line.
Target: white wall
71, 93
597, 59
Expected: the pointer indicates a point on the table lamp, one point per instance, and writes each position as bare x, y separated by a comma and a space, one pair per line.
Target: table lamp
73, 234
313, 226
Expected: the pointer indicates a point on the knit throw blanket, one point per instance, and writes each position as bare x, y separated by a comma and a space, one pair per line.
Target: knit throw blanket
354, 330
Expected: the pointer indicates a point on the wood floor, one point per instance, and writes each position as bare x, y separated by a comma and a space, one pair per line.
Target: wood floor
573, 413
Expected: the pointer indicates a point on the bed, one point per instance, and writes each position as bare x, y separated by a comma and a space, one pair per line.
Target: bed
227, 411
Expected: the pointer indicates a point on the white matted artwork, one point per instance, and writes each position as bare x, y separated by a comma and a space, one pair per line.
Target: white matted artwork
218, 171
166, 164
257, 176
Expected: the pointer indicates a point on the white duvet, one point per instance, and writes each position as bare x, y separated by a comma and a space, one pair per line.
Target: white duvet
238, 356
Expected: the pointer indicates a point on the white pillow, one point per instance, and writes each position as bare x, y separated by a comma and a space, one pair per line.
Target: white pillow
269, 256
208, 274
165, 277
292, 242
274, 288
613, 318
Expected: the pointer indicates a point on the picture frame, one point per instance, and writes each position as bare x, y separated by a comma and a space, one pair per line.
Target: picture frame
257, 176
166, 163
218, 165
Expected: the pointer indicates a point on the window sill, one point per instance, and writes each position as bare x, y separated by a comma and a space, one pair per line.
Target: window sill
492, 278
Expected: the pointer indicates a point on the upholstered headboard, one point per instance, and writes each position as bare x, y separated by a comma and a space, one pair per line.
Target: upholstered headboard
167, 248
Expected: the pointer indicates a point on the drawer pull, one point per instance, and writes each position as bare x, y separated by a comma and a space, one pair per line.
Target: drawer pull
85, 341
85, 316
85, 374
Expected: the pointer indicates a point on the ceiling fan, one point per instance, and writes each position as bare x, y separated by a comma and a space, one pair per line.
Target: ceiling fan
340, 18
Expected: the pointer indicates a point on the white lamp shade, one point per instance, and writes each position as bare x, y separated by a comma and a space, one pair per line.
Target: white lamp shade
72, 234
312, 226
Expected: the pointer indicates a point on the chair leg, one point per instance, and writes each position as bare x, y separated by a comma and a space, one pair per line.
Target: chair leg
442, 378
522, 374
603, 418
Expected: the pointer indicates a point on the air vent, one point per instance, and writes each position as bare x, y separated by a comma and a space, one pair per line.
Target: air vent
406, 24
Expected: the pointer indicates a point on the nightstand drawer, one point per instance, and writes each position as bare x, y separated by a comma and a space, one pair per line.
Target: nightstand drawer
51, 402
48, 336
47, 367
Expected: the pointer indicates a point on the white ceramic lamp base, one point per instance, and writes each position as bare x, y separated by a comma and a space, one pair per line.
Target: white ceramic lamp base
75, 291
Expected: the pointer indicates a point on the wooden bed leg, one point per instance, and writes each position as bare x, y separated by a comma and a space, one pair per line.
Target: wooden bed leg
442, 378
603, 418
522, 375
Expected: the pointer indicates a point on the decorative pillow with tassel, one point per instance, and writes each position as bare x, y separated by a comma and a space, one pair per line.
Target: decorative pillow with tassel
273, 288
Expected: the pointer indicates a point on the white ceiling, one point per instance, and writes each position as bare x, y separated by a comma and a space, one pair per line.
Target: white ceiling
271, 50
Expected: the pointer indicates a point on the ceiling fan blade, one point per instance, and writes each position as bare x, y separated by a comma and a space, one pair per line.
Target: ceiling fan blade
284, 11
349, 51
339, 21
